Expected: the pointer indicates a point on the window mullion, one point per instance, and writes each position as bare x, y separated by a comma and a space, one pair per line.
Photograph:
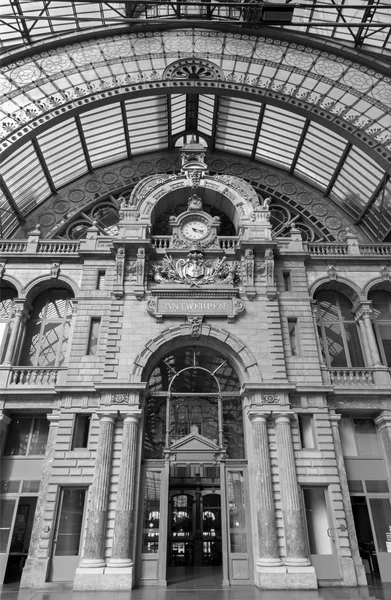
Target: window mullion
30, 436
343, 333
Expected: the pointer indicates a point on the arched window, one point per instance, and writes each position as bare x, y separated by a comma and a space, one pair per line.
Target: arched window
8, 296
381, 303
194, 389
337, 330
48, 330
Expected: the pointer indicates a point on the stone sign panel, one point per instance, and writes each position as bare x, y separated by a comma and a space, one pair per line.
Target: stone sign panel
182, 306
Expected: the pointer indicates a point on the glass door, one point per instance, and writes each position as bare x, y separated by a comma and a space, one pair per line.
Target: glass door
68, 535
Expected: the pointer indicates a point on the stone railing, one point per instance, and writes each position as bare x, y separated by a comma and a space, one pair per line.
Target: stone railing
13, 246
161, 242
375, 249
228, 243
351, 376
57, 247
328, 249
33, 376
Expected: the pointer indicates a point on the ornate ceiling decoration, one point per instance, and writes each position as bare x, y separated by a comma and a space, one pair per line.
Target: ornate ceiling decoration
320, 116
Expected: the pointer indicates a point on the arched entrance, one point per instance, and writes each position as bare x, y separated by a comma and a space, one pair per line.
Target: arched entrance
194, 471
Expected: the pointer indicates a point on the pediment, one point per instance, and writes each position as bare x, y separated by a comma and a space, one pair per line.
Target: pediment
194, 442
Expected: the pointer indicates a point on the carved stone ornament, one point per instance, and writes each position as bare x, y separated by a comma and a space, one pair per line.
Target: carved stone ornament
195, 326
195, 271
120, 399
270, 398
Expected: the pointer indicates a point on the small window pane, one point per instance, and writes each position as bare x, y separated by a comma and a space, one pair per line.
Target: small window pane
6, 514
381, 515
377, 486
306, 431
317, 521
367, 440
81, 431
39, 437
93, 340
237, 512
292, 327
70, 523
151, 512
18, 437
31, 487
355, 486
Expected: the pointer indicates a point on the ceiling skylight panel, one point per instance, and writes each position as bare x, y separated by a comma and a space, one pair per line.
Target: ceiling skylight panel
103, 130
205, 113
279, 136
178, 113
237, 123
8, 219
319, 155
25, 179
63, 152
147, 123
357, 181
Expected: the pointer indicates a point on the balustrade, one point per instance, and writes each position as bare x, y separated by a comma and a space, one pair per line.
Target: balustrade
13, 246
57, 247
351, 376
163, 242
375, 249
33, 376
328, 249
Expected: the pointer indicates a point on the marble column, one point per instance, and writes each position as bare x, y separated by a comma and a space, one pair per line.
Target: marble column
266, 518
5, 420
365, 314
96, 525
124, 514
364, 340
35, 570
295, 540
15, 327
343, 481
383, 423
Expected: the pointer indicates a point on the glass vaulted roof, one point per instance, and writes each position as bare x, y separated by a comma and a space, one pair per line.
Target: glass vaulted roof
316, 106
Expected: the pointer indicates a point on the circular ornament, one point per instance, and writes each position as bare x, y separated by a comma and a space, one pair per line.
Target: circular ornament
145, 167
127, 172
116, 49
272, 180
109, 178
288, 189
147, 45
304, 198
76, 196
302, 60
47, 220
218, 165
329, 68
56, 63
93, 185
319, 210
269, 52
254, 173
163, 164
61, 207
358, 80
5, 86
208, 44
382, 93
333, 222
178, 44
89, 54
240, 47
25, 74
236, 168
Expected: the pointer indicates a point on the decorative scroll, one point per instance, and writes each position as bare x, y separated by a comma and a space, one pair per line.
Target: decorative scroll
195, 325
195, 271
120, 398
270, 398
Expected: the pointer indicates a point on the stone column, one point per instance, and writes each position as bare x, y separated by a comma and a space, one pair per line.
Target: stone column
123, 522
343, 481
266, 518
35, 570
383, 423
295, 540
10, 351
365, 314
366, 349
5, 420
96, 525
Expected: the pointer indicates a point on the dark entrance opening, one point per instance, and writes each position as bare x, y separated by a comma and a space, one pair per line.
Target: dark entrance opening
20, 540
365, 537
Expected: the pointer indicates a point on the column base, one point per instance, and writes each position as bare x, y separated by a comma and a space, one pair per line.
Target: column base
285, 578
269, 562
109, 578
34, 573
297, 562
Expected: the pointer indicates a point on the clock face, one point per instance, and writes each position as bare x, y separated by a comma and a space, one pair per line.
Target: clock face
195, 230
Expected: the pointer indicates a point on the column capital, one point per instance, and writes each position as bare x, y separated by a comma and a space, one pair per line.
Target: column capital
334, 419
284, 417
132, 417
258, 415
5, 420
383, 420
53, 418
362, 309
106, 417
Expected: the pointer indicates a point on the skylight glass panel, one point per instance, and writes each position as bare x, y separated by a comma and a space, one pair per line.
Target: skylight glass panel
279, 136
63, 152
147, 123
237, 123
205, 113
103, 130
319, 155
357, 181
377, 219
25, 179
178, 113
8, 219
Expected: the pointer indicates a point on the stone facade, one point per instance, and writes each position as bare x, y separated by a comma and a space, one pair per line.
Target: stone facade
270, 340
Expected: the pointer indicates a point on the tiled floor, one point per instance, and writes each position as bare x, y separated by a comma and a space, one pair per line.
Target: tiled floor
202, 584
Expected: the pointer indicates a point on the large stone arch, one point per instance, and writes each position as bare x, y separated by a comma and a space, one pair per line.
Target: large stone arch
44, 282
243, 360
342, 285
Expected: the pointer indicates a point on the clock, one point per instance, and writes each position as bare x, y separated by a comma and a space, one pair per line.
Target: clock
195, 229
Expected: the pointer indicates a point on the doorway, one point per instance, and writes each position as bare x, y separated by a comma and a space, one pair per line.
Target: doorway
20, 539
